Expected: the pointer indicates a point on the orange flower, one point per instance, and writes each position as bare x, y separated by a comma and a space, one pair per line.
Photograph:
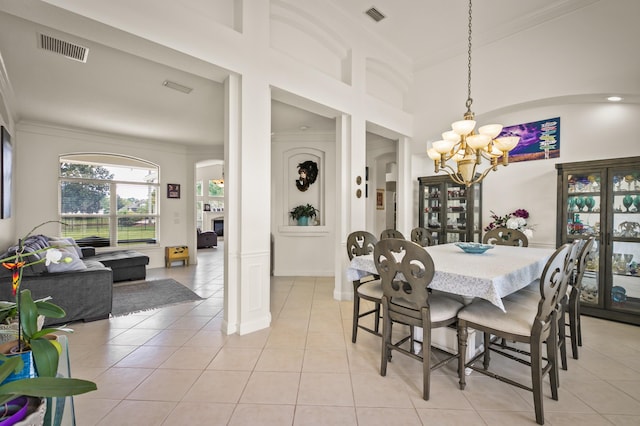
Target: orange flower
15, 267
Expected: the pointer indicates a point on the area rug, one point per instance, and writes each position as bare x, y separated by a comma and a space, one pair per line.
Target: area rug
144, 295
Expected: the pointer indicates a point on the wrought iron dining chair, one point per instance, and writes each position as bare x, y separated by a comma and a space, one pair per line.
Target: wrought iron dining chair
368, 288
406, 270
506, 237
391, 233
421, 236
571, 303
524, 324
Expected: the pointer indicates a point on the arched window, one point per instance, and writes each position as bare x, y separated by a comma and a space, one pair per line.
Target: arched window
109, 200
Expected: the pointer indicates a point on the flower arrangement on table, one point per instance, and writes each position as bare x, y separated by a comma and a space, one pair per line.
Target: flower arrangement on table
30, 336
514, 220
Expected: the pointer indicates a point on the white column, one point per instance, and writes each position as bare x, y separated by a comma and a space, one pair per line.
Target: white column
247, 187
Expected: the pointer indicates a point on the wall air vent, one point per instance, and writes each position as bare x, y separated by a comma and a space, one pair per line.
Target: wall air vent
64, 48
375, 14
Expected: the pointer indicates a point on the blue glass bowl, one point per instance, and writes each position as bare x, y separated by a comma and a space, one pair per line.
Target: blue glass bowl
475, 248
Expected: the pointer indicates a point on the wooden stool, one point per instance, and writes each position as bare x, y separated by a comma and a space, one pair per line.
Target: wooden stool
174, 253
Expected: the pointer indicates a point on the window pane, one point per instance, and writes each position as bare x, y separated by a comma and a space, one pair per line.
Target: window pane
83, 227
216, 188
138, 199
84, 198
199, 214
136, 230
199, 188
87, 171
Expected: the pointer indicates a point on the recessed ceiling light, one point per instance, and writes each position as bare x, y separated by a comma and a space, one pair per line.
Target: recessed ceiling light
303, 127
614, 98
176, 86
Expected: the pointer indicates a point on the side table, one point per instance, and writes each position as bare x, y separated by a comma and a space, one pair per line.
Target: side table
173, 253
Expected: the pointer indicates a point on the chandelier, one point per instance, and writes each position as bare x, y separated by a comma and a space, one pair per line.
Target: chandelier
461, 150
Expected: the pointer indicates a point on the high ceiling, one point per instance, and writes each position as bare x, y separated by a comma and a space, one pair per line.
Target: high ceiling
130, 99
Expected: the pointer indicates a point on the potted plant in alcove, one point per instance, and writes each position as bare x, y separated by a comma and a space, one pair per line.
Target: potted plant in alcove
303, 213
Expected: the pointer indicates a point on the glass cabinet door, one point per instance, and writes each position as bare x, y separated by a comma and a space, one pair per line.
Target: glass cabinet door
584, 215
432, 201
625, 247
456, 226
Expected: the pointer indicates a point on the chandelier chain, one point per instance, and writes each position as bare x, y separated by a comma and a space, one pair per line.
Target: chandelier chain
469, 99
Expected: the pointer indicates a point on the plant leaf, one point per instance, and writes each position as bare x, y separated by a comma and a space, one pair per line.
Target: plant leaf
28, 314
50, 310
46, 387
9, 365
45, 356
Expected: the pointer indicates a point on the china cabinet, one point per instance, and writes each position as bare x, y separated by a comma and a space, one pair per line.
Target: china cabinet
602, 199
452, 212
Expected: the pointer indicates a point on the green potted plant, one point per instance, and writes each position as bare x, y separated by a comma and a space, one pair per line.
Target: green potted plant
42, 344
302, 213
45, 351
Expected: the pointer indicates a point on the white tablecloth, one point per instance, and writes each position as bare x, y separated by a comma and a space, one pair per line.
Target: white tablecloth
492, 275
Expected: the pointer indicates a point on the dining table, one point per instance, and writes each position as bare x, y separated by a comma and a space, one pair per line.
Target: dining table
491, 275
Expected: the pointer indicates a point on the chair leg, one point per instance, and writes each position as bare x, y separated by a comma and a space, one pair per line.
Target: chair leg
426, 356
356, 313
487, 352
536, 377
376, 326
386, 343
579, 322
562, 338
573, 331
462, 354
552, 358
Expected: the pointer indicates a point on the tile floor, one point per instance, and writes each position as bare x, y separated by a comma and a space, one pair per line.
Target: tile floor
173, 366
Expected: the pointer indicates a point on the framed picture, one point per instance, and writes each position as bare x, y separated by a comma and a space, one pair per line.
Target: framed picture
173, 190
380, 199
207, 207
7, 169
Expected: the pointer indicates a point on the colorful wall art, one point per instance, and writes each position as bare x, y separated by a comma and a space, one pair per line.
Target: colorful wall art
539, 140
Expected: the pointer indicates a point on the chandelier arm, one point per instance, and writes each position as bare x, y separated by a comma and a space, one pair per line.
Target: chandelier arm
482, 175
453, 174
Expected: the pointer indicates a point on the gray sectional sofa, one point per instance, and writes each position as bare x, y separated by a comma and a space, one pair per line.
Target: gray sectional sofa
82, 287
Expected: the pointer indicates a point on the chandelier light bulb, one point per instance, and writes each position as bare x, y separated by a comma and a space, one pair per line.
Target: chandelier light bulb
450, 135
491, 130
507, 143
463, 127
478, 141
433, 154
443, 146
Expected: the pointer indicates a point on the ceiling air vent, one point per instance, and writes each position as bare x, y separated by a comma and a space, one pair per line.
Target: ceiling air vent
64, 48
375, 14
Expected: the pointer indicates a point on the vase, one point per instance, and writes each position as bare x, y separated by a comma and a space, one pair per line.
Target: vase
627, 201
636, 202
303, 221
28, 371
590, 202
579, 203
